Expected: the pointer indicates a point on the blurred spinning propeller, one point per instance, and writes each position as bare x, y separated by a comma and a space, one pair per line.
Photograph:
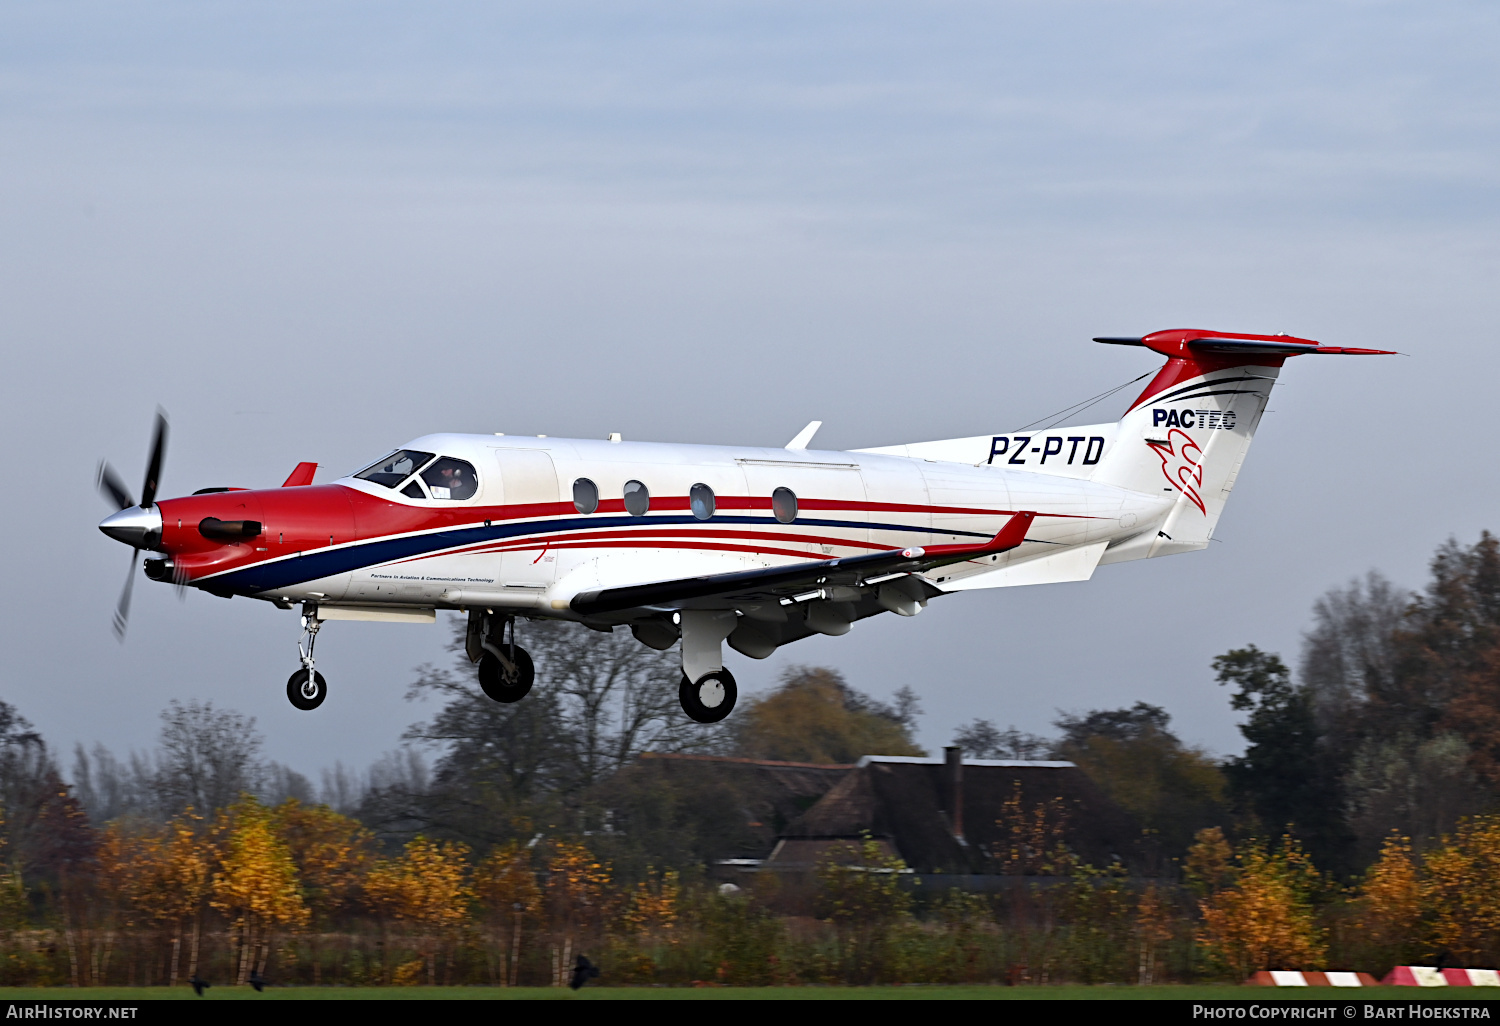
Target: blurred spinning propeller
136, 524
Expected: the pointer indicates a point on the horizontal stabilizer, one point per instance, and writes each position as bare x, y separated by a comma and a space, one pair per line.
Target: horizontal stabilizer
1182, 343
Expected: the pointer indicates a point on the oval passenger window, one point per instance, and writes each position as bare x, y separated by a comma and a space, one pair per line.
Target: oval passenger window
637, 499
784, 505
585, 495
701, 501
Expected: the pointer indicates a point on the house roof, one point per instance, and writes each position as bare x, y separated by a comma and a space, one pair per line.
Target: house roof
1010, 812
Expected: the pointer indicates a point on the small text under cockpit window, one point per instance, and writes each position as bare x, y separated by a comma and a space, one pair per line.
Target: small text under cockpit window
395, 468
449, 478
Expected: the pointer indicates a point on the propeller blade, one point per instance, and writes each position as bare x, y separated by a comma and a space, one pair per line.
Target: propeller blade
122, 608
113, 489
153, 465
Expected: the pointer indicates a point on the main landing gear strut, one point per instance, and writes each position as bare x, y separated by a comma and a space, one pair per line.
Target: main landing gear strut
707, 691
306, 688
505, 669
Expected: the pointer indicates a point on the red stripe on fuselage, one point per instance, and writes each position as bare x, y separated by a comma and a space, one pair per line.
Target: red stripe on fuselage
643, 538
315, 517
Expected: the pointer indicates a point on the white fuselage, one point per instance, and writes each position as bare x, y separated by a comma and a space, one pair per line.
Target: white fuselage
519, 542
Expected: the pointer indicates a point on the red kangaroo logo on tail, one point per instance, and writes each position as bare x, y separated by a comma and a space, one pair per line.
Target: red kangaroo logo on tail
1181, 463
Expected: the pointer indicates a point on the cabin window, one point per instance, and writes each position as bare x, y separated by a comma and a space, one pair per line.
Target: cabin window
449, 478
784, 505
395, 468
585, 495
414, 490
701, 501
637, 499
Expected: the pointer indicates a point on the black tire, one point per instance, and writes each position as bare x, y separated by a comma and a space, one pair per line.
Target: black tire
711, 698
493, 680
303, 696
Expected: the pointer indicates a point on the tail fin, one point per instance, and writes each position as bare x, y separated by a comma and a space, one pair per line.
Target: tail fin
1190, 429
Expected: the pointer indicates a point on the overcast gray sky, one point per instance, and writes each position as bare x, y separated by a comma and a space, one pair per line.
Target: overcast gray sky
314, 230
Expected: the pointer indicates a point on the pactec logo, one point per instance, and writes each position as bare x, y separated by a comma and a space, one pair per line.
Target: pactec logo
1214, 420
1181, 462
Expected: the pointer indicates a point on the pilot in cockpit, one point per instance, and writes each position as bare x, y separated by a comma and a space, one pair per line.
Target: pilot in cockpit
451, 483
449, 478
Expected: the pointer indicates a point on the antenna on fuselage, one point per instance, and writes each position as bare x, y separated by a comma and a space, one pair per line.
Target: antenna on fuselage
805, 436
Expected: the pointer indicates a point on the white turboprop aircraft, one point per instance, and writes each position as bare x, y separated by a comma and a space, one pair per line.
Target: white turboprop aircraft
701, 544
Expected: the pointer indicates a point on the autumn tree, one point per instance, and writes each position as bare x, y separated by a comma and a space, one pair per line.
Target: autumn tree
427, 890
255, 885
1154, 917
576, 899
1461, 891
1388, 905
815, 716
1257, 904
1033, 839
116, 859
172, 882
505, 884
650, 915
331, 852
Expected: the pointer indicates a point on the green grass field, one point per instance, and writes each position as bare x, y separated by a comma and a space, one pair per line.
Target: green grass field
924, 993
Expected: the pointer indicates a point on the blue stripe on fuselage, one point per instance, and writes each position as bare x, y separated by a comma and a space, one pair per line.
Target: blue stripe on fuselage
311, 566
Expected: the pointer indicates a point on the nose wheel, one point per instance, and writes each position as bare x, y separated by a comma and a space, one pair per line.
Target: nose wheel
306, 688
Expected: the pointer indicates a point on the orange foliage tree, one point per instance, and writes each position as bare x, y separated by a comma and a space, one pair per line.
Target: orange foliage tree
1462, 890
427, 889
576, 901
506, 885
1388, 903
173, 880
256, 884
332, 853
652, 910
1257, 909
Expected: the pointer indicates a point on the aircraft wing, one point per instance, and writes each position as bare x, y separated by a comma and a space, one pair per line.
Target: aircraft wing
783, 581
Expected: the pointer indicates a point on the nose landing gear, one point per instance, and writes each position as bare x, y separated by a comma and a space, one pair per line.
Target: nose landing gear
306, 688
505, 670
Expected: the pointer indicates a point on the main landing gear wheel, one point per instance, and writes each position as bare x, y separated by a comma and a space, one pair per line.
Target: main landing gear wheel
711, 698
306, 691
502, 683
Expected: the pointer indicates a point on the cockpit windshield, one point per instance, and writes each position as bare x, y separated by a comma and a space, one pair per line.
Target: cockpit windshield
395, 468
449, 478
